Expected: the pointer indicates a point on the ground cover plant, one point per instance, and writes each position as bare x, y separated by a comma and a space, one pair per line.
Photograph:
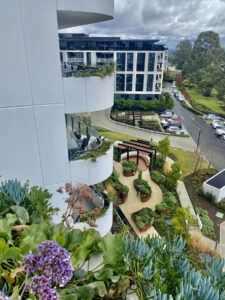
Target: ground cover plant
143, 218
207, 224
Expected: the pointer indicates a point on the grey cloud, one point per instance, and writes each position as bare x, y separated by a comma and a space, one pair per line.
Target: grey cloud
168, 20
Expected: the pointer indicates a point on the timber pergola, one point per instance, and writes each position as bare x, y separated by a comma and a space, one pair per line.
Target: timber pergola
139, 146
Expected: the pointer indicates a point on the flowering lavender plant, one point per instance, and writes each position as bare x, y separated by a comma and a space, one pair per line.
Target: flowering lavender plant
41, 287
4, 297
51, 266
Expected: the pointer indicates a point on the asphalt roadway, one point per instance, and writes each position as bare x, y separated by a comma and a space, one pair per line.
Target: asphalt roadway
212, 147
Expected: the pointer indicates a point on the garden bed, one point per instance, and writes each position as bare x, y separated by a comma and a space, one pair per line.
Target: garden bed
193, 183
143, 218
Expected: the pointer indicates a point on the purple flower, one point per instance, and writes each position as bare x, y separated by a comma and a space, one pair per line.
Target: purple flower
41, 287
4, 297
52, 261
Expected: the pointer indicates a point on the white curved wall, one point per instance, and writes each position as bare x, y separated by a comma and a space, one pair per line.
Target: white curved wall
87, 94
88, 172
104, 223
81, 12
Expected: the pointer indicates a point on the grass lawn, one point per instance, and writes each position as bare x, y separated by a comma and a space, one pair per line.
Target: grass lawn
187, 159
210, 102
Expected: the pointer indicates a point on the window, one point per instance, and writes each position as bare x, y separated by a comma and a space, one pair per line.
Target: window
149, 82
75, 55
139, 82
130, 57
120, 62
151, 62
120, 82
141, 62
129, 82
88, 58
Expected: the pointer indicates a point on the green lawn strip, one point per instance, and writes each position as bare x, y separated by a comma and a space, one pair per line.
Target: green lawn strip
210, 102
187, 159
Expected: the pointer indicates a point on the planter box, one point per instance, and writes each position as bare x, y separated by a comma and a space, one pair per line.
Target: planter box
124, 198
145, 228
144, 199
128, 174
163, 211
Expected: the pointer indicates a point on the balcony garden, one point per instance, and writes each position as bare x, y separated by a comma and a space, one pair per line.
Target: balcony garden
81, 70
84, 142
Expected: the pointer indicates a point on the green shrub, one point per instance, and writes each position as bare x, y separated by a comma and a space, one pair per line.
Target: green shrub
129, 166
145, 192
207, 195
207, 224
141, 182
124, 190
195, 111
157, 177
162, 206
144, 217
171, 200
140, 175
157, 162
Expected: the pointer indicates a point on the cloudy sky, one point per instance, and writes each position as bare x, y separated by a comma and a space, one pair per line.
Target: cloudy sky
168, 20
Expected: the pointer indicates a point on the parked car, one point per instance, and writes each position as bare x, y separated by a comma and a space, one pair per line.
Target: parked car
171, 123
180, 98
212, 117
173, 86
218, 125
223, 136
166, 114
220, 131
175, 91
175, 129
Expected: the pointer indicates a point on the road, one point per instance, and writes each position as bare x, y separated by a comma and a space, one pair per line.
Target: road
212, 147
102, 119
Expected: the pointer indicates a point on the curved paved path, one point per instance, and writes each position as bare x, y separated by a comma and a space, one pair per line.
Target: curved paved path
134, 203
102, 119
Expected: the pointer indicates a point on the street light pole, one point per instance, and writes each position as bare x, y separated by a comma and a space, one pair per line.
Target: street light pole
199, 134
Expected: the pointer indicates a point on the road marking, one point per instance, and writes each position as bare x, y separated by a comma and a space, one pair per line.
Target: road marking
192, 118
182, 118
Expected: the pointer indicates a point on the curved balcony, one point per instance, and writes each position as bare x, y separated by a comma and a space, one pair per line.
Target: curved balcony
88, 94
104, 223
73, 13
89, 172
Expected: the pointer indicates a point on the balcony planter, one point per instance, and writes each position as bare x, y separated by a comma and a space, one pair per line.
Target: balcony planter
145, 228
128, 174
162, 208
129, 168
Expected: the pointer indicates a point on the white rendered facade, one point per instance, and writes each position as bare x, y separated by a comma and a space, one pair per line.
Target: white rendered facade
34, 97
154, 87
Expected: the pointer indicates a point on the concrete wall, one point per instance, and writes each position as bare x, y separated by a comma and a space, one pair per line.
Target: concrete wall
219, 194
87, 94
88, 172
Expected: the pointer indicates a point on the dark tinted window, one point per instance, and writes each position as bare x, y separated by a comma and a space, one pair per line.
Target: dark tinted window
149, 82
120, 62
151, 62
139, 82
88, 58
130, 57
120, 82
140, 61
129, 82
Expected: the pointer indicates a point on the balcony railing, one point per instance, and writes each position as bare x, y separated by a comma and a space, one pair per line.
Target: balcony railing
80, 137
105, 60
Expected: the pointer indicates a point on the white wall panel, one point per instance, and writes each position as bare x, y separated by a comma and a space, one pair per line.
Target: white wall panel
51, 133
14, 80
19, 157
87, 94
42, 46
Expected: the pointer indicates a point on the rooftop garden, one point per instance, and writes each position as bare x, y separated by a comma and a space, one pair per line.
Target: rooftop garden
100, 71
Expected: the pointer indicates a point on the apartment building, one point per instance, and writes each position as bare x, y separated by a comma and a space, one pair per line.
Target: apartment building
139, 63
37, 104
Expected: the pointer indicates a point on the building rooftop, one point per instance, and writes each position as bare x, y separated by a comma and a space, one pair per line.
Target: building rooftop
217, 181
82, 41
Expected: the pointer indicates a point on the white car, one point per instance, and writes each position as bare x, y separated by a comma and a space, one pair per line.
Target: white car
175, 129
218, 125
173, 86
181, 98
166, 114
220, 132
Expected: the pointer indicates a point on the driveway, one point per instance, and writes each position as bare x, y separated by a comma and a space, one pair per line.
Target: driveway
102, 119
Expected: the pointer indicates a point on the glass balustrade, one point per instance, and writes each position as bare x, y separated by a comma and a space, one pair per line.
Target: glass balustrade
80, 137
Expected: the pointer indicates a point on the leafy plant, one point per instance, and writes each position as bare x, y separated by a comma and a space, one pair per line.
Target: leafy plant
207, 223
157, 177
174, 175
129, 166
162, 206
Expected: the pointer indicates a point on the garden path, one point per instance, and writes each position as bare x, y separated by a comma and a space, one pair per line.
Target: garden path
134, 203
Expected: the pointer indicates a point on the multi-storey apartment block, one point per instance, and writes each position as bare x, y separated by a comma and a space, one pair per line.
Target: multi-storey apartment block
40, 137
139, 63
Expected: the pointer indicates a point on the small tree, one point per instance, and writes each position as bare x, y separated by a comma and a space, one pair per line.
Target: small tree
182, 222
173, 176
164, 147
